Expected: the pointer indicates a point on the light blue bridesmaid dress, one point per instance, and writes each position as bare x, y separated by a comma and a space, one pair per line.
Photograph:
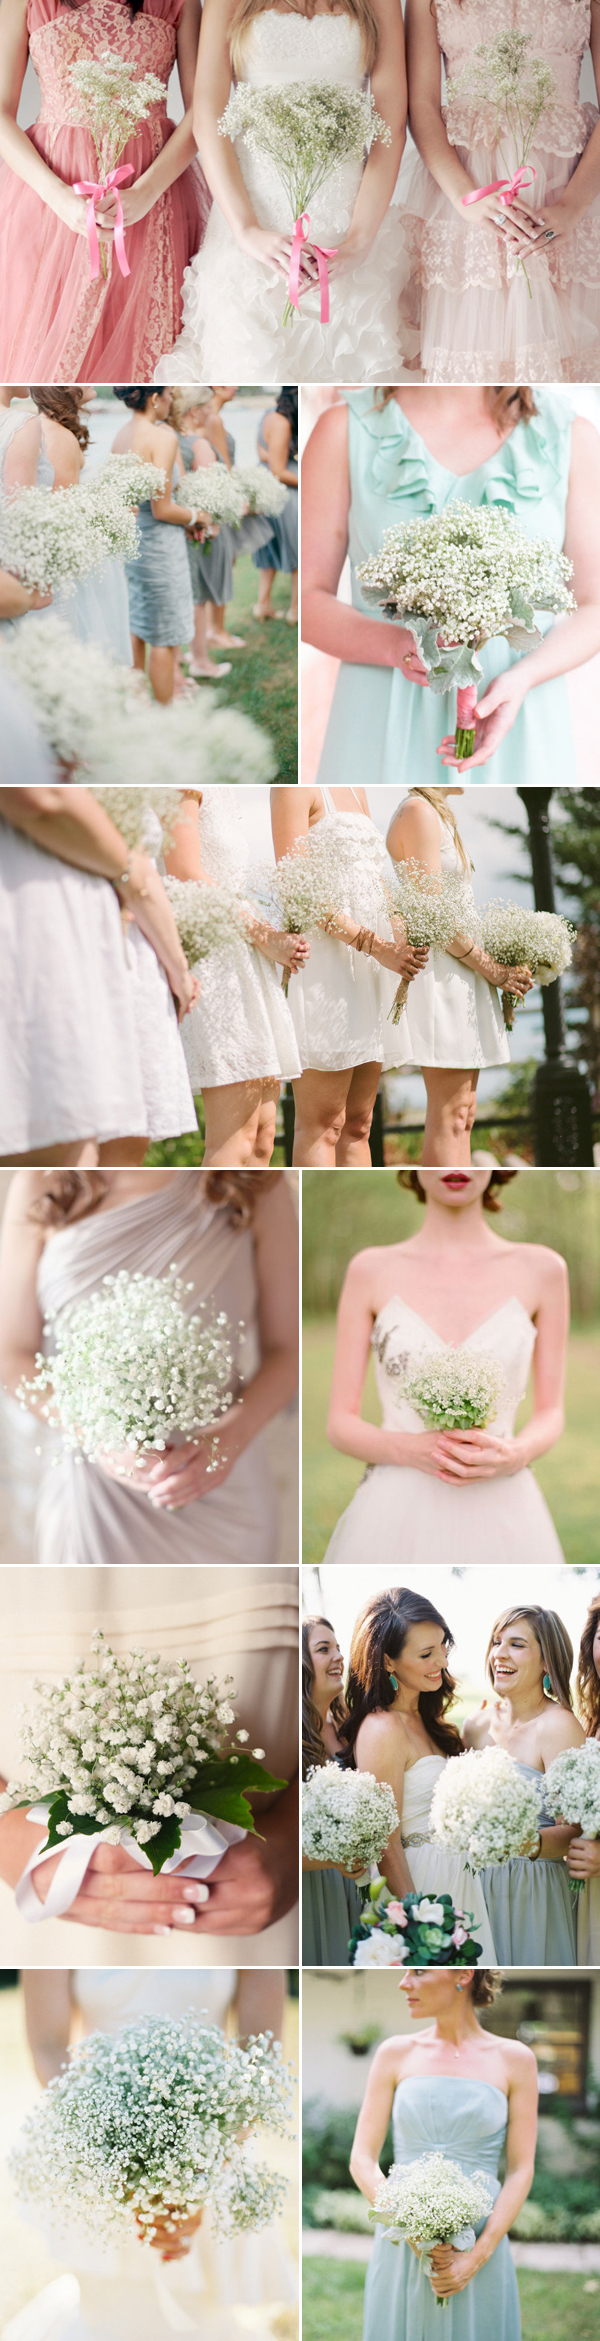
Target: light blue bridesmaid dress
531, 1908
383, 728
467, 2121
97, 611
330, 1909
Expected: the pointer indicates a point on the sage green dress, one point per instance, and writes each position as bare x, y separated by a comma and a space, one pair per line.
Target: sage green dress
531, 1909
467, 2121
330, 1910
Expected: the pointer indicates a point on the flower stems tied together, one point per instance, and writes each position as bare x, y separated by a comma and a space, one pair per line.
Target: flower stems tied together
464, 737
95, 193
322, 253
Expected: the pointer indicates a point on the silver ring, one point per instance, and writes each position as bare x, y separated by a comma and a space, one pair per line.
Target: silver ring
549, 236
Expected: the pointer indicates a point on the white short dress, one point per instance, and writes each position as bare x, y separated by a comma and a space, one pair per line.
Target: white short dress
241, 1028
452, 1015
168, 1098
341, 1000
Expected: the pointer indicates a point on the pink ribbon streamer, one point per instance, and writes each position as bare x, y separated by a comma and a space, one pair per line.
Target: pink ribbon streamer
322, 252
466, 702
505, 189
88, 187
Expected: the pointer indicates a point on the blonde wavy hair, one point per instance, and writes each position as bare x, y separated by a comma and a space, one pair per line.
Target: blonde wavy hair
73, 1194
437, 798
183, 402
502, 400
360, 12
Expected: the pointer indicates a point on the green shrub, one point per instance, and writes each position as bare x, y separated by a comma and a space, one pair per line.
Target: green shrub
340, 2207
327, 2133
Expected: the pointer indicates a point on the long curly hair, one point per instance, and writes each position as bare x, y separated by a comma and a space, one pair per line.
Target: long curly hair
74, 1194
380, 1632
507, 406
587, 1687
63, 406
313, 1751
490, 1198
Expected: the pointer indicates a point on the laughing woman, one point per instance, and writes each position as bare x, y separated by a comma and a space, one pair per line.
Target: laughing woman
330, 1900
528, 1662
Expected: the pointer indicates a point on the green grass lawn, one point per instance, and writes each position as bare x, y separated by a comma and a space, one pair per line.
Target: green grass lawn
568, 1477
264, 676
552, 2307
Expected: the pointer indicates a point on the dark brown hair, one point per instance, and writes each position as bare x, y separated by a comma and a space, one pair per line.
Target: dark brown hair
486, 1986
380, 1632
490, 1197
554, 1644
587, 1688
138, 395
502, 401
63, 406
313, 1751
73, 1194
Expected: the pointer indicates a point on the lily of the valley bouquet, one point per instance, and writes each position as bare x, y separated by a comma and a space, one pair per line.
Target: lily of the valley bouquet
483, 1808
145, 2128
209, 919
505, 89
459, 578
308, 129
572, 1791
454, 1389
130, 1368
520, 937
435, 907
132, 1751
432, 2201
347, 1817
420, 1930
101, 721
114, 100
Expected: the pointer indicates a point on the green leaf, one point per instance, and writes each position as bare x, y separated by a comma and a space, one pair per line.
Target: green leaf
166, 1842
82, 1824
221, 1788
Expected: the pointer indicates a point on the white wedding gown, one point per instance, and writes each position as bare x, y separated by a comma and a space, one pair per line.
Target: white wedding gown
233, 304
452, 1015
434, 1869
413, 1518
241, 1028
128, 2293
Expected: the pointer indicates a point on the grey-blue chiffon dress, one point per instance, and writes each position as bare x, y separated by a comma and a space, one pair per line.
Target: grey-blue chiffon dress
467, 2121
330, 1909
211, 574
281, 548
161, 609
531, 1908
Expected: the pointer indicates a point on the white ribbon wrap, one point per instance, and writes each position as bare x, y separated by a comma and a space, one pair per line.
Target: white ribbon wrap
202, 1848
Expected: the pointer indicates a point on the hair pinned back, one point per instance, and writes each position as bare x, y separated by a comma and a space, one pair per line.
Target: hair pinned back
486, 1986
73, 1194
63, 406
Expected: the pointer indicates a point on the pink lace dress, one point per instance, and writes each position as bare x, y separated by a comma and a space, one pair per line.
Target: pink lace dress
467, 313
55, 323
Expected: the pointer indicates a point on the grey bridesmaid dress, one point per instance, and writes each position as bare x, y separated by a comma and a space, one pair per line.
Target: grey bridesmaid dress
465, 2120
330, 1909
161, 609
531, 1908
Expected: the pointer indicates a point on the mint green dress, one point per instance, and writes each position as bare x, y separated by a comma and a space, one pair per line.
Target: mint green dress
531, 1909
383, 728
467, 2121
331, 1906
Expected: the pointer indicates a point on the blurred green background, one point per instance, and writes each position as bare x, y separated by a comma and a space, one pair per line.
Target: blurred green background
342, 1215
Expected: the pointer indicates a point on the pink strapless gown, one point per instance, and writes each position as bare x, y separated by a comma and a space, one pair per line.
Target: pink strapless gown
57, 325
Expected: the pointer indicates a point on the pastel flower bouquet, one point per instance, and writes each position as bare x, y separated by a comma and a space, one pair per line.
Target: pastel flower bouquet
432, 2201
420, 1930
458, 579
145, 2128
507, 89
519, 937
347, 1817
101, 721
572, 1791
209, 919
307, 129
130, 1368
454, 1389
335, 873
215, 490
115, 100
433, 907
483, 1808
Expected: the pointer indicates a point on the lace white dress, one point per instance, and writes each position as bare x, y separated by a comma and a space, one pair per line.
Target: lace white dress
340, 1001
452, 1016
233, 305
241, 1028
468, 315
411, 1517
127, 2293
434, 1870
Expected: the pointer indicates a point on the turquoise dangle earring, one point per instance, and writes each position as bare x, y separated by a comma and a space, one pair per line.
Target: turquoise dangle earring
546, 1686
394, 1682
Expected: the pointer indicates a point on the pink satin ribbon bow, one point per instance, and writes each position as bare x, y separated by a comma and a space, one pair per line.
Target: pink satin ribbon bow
466, 703
503, 188
322, 252
87, 187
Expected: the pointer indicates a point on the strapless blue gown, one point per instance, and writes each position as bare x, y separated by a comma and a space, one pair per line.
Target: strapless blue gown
532, 1912
467, 2121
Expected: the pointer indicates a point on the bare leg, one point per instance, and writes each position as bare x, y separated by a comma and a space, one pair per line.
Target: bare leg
320, 1100
139, 654
265, 1134
200, 663
263, 608
217, 630
124, 1150
352, 1151
231, 1115
82, 1150
162, 671
451, 1108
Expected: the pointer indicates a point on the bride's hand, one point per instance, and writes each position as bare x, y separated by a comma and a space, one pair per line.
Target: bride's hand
467, 1455
494, 717
402, 958
451, 2271
274, 250
118, 1894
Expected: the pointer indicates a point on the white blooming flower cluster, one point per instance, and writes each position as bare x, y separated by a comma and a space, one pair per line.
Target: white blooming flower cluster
454, 1389
307, 129
145, 2127
510, 88
484, 1808
520, 937
209, 919
340, 870
50, 538
461, 577
131, 808
213, 489
434, 908
421, 1930
572, 1791
101, 720
347, 1817
261, 491
432, 2201
115, 100
129, 1366
137, 482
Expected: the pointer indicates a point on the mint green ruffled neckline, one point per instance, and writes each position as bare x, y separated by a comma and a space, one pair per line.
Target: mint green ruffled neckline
402, 465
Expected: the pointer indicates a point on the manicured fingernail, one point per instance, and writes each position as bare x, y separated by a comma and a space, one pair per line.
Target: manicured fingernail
195, 1893
161, 1930
183, 1917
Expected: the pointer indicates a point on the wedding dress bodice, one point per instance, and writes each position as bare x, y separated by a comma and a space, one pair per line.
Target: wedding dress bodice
419, 1784
462, 2118
109, 1997
280, 49
400, 1337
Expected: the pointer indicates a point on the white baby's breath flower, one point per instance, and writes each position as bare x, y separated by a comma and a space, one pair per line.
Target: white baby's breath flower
432, 2201
129, 1366
101, 719
347, 1817
454, 1389
462, 577
483, 1808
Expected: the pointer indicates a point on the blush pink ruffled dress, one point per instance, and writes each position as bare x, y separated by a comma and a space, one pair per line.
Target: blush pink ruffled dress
57, 325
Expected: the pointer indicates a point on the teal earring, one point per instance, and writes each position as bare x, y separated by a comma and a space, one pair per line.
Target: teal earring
547, 1686
394, 1681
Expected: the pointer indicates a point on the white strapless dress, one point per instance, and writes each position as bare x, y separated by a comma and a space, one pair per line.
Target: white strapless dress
434, 1870
413, 1519
241, 1027
452, 1016
233, 305
129, 2293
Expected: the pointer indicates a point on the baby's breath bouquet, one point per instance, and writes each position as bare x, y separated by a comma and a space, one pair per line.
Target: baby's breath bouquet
50, 538
137, 482
459, 578
347, 1817
520, 937
484, 1808
145, 2127
421, 1930
454, 1389
339, 871
262, 492
215, 490
307, 129
434, 906
209, 919
432, 2201
101, 721
572, 1791
134, 1745
130, 809
130, 1368
508, 89
115, 99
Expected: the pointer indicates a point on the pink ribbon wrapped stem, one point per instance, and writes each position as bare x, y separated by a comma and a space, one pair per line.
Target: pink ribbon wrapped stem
322, 252
505, 189
94, 193
466, 702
